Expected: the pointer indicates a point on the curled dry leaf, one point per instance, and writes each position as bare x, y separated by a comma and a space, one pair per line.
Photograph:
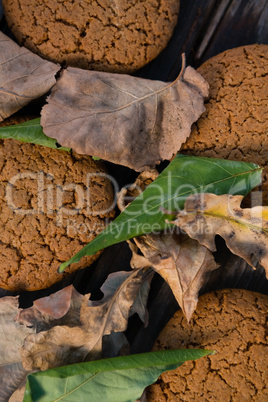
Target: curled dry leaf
24, 76
182, 262
140, 303
60, 308
126, 120
112, 311
64, 344
12, 336
245, 230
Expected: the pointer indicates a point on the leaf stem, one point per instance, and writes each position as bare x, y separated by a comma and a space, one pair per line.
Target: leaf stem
183, 66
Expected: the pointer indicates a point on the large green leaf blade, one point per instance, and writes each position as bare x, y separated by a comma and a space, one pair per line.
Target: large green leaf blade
185, 175
30, 131
114, 380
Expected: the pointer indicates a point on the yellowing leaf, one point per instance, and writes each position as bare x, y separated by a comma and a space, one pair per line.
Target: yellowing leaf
244, 230
126, 120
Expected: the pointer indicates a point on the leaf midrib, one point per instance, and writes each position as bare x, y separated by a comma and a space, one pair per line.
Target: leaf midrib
77, 387
153, 93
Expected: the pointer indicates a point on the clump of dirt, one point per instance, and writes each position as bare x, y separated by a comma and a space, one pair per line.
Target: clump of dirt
234, 323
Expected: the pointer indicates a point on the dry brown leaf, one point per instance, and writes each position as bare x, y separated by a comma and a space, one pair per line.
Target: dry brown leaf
59, 346
65, 344
60, 308
140, 303
123, 119
182, 262
12, 336
16, 324
24, 76
112, 311
245, 230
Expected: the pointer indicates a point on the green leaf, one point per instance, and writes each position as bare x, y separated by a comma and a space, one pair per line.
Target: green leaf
30, 131
117, 379
185, 175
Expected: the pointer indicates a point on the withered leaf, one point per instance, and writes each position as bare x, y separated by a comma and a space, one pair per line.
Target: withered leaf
62, 307
112, 311
245, 230
140, 303
126, 120
182, 262
58, 346
12, 336
64, 344
24, 76
125, 293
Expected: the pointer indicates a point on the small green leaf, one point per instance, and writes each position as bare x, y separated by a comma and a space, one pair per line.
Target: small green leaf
30, 131
185, 175
114, 380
